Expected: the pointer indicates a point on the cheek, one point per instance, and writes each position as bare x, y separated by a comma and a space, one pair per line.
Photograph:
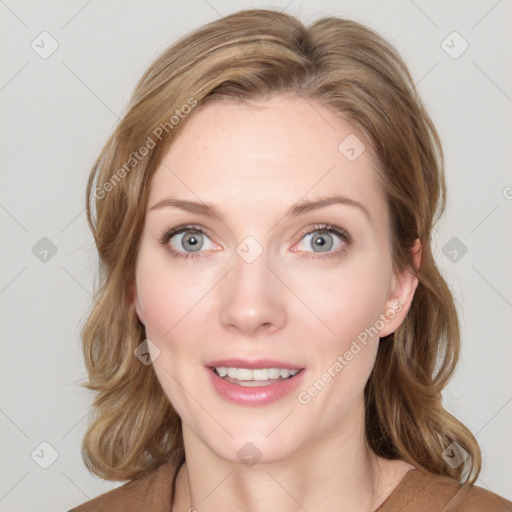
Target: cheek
349, 301
347, 297
169, 297
174, 304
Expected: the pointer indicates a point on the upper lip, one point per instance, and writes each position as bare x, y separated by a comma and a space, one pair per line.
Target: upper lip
253, 364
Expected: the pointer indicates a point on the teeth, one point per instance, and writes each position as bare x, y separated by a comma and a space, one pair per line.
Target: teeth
222, 371
271, 373
257, 374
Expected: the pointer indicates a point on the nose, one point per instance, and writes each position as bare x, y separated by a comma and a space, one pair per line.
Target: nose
252, 298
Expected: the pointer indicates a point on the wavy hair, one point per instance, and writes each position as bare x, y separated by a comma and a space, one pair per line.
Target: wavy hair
252, 54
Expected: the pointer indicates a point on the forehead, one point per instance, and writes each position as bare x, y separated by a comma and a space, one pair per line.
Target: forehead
266, 156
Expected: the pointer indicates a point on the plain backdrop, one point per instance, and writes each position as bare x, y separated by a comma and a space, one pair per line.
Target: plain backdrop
58, 109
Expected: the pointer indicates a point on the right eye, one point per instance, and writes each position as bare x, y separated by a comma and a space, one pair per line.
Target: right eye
185, 241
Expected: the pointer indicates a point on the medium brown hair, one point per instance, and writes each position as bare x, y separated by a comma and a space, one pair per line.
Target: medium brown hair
253, 54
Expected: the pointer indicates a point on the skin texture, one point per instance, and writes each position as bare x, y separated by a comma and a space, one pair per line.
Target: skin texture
254, 163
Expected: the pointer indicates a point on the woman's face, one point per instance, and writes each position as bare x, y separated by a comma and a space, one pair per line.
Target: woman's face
275, 279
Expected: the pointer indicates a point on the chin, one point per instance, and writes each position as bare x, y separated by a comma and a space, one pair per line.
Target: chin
250, 450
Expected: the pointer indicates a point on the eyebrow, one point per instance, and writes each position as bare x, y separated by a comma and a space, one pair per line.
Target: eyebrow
300, 208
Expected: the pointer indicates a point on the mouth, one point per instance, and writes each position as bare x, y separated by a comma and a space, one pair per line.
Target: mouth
254, 382
252, 377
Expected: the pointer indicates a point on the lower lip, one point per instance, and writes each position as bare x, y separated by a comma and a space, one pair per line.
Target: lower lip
254, 395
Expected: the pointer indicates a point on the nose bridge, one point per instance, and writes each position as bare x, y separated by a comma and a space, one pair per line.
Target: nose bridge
251, 294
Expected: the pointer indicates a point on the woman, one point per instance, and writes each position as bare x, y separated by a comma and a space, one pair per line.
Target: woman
272, 331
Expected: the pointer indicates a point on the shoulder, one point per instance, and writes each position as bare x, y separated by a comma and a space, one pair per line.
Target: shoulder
149, 492
422, 491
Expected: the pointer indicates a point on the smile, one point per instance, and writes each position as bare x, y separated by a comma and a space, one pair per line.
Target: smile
254, 386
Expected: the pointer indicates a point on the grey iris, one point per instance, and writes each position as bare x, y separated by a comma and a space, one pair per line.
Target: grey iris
323, 242
194, 239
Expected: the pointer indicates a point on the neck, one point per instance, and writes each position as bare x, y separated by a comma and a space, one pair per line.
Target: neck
338, 472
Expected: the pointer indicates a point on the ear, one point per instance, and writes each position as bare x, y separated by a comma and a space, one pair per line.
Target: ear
136, 303
401, 295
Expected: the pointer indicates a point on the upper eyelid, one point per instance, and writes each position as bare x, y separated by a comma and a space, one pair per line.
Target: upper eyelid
303, 232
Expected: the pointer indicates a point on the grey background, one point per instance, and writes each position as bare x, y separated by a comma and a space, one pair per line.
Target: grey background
56, 113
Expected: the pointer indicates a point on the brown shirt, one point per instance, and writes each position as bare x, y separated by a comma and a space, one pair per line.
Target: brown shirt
418, 491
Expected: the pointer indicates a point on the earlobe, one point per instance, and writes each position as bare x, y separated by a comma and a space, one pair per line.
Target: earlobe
402, 295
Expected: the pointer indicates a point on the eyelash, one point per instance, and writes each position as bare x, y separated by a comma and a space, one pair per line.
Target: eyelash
324, 228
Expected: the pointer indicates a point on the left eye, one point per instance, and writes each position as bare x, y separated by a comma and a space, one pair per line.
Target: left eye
323, 240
